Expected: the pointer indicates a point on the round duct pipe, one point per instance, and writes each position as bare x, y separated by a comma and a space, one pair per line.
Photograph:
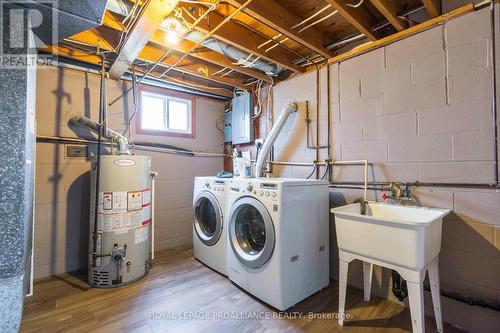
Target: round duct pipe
123, 7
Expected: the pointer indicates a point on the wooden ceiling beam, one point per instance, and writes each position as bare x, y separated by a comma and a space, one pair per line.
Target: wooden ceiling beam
389, 8
66, 52
93, 59
208, 55
150, 20
190, 83
152, 53
202, 70
242, 38
359, 17
279, 18
367, 47
214, 57
433, 7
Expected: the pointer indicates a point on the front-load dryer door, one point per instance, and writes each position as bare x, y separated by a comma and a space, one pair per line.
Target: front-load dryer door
207, 218
251, 232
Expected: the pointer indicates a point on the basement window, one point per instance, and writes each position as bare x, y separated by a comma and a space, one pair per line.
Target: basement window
165, 112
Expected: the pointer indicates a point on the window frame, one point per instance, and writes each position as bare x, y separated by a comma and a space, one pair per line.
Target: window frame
166, 94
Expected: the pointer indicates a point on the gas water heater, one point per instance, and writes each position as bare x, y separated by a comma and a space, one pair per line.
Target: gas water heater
122, 240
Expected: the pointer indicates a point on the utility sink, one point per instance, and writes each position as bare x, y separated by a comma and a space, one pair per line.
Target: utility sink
404, 236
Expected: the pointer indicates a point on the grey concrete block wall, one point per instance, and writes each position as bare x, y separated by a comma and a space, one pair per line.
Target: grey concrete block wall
419, 109
62, 183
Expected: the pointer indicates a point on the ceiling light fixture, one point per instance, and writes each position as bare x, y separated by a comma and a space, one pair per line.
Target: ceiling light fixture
172, 37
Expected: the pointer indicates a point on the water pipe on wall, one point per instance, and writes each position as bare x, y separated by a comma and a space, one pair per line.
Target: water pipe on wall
153, 177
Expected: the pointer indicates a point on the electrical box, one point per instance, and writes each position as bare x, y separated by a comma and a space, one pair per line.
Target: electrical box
242, 122
228, 127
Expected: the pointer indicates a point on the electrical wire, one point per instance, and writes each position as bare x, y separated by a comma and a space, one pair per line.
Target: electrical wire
269, 105
210, 148
356, 5
319, 20
312, 16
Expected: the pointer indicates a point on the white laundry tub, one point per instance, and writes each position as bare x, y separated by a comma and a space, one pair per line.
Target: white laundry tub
403, 236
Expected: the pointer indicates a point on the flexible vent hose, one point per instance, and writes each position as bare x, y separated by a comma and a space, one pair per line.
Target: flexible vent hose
278, 126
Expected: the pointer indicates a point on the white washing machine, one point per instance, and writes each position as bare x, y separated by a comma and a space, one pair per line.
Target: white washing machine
209, 229
278, 242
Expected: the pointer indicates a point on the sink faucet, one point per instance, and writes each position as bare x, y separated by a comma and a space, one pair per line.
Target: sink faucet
398, 195
362, 205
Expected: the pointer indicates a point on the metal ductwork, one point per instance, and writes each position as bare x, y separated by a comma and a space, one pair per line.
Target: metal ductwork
61, 19
119, 7
123, 7
121, 141
273, 135
234, 53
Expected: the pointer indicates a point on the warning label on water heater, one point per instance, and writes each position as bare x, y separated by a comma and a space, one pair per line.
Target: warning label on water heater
134, 200
107, 201
122, 211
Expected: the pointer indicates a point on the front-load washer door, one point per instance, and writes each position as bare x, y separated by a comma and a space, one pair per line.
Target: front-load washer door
207, 218
251, 232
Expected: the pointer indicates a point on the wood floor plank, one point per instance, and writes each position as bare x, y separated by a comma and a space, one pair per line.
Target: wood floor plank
180, 290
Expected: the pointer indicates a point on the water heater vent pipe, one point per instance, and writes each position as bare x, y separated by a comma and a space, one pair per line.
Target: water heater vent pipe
273, 134
109, 134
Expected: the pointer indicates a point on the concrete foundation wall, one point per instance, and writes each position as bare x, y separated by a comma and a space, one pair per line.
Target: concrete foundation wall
62, 183
419, 109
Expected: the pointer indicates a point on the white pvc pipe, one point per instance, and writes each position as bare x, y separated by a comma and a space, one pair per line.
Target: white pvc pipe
153, 176
268, 143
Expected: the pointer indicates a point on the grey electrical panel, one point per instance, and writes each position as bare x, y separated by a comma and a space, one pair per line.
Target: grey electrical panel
242, 127
228, 127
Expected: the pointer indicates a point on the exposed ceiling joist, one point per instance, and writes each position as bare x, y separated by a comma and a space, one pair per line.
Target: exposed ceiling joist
202, 70
361, 49
358, 17
389, 8
153, 14
433, 7
242, 38
159, 38
190, 83
279, 18
208, 55
92, 37
70, 53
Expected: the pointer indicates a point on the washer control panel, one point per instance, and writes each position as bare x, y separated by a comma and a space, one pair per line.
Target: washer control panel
268, 190
265, 191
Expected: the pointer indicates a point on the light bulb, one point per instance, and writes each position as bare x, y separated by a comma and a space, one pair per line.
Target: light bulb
172, 36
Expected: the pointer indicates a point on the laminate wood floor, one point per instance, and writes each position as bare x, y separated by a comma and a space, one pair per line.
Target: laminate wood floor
180, 288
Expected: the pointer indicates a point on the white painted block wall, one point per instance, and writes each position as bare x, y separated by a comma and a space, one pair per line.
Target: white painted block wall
62, 183
420, 109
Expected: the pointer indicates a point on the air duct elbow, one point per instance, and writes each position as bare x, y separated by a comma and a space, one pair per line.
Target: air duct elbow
110, 135
273, 135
